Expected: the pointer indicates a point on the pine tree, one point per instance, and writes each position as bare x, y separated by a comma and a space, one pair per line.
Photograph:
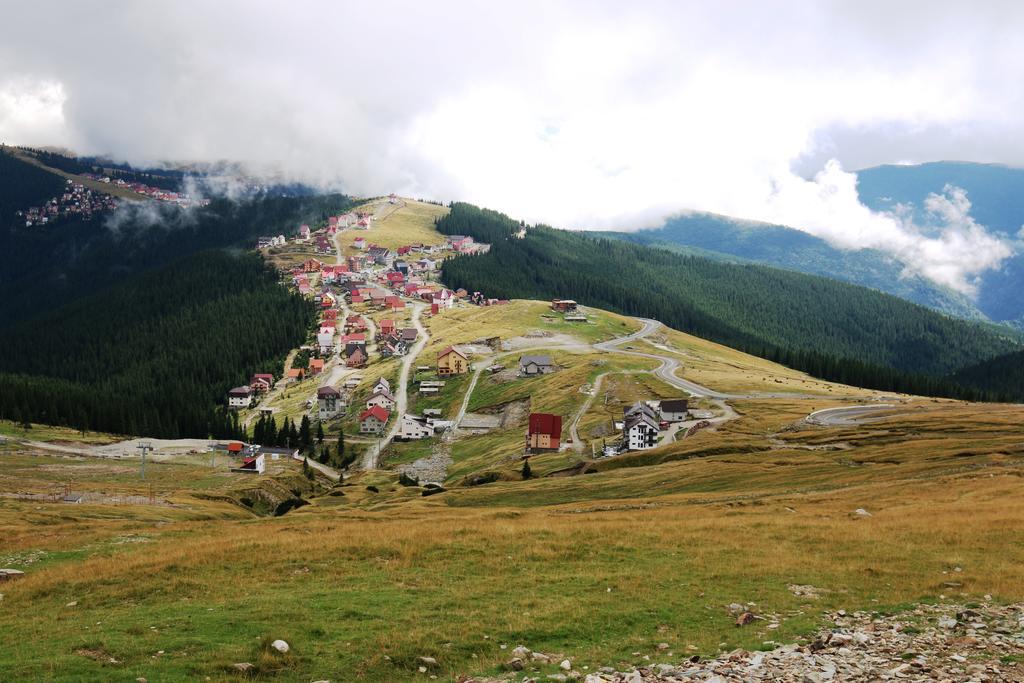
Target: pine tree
527, 472
319, 432
305, 438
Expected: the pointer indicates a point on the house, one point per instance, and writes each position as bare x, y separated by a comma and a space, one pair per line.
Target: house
325, 340
414, 427
394, 303
261, 383
379, 255
355, 356
459, 242
323, 245
544, 431
395, 278
329, 402
303, 232
535, 365
382, 385
563, 305
331, 315
408, 334
355, 323
452, 362
402, 267
674, 409
296, 374
316, 366
312, 266
383, 398
639, 428
373, 420
240, 397
253, 464
359, 243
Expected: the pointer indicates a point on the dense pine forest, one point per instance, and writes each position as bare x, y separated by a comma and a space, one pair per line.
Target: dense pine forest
154, 354
1002, 376
833, 330
47, 266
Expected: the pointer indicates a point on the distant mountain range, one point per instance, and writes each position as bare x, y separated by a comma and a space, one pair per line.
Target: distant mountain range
997, 197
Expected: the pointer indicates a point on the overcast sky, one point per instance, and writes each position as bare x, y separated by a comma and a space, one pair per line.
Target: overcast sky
579, 114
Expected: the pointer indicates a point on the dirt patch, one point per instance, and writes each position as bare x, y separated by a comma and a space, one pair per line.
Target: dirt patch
542, 339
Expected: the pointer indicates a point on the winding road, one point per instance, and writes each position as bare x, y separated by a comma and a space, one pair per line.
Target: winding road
401, 390
848, 416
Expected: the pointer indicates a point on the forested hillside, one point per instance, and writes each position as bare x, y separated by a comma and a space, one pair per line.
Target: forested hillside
723, 238
46, 266
154, 354
832, 329
1002, 376
21, 186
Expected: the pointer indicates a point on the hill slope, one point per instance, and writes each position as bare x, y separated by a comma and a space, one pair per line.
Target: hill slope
154, 354
830, 329
1003, 376
996, 194
723, 238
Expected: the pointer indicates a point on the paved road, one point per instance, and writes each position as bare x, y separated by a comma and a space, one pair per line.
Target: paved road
847, 416
667, 370
401, 392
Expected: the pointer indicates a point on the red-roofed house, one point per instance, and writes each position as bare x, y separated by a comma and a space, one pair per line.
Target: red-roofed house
395, 303
545, 431
312, 266
316, 366
373, 420
261, 383
452, 362
386, 327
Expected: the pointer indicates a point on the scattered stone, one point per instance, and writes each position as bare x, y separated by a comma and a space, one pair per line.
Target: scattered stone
280, 646
427, 661
140, 679
244, 667
663, 646
514, 664
11, 574
861, 512
917, 645
565, 665
73, 603
520, 652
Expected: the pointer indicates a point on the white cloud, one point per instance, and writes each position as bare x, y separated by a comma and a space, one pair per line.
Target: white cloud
579, 114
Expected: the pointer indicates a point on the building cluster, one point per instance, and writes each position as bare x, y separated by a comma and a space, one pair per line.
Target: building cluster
76, 200
159, 194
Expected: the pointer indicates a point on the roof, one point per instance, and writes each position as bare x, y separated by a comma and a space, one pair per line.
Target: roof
235, 447
377, 412
382, 392
240, 391
450, 349
546, 423
539, 360
265, 375
327, 392
294, 372
639, 408
637, 419
316, 362
675, 405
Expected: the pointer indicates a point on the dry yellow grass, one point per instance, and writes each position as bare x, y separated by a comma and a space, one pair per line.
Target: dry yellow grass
407, 223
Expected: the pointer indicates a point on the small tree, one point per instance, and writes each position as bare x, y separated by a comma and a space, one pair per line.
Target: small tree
319, 432
305, 466
325, 454
527, 472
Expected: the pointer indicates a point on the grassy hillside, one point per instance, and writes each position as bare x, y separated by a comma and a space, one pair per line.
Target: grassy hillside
831, 329
23, 185
362, 585
722, 238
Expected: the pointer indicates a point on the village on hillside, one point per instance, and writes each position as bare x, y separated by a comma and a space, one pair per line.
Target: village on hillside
377, 373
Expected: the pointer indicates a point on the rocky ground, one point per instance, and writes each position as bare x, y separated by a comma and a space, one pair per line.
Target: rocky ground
954, 643
433, 468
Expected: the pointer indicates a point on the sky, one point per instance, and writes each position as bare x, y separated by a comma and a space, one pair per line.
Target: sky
579, 114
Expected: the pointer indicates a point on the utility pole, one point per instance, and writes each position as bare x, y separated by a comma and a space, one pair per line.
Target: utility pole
144, 447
